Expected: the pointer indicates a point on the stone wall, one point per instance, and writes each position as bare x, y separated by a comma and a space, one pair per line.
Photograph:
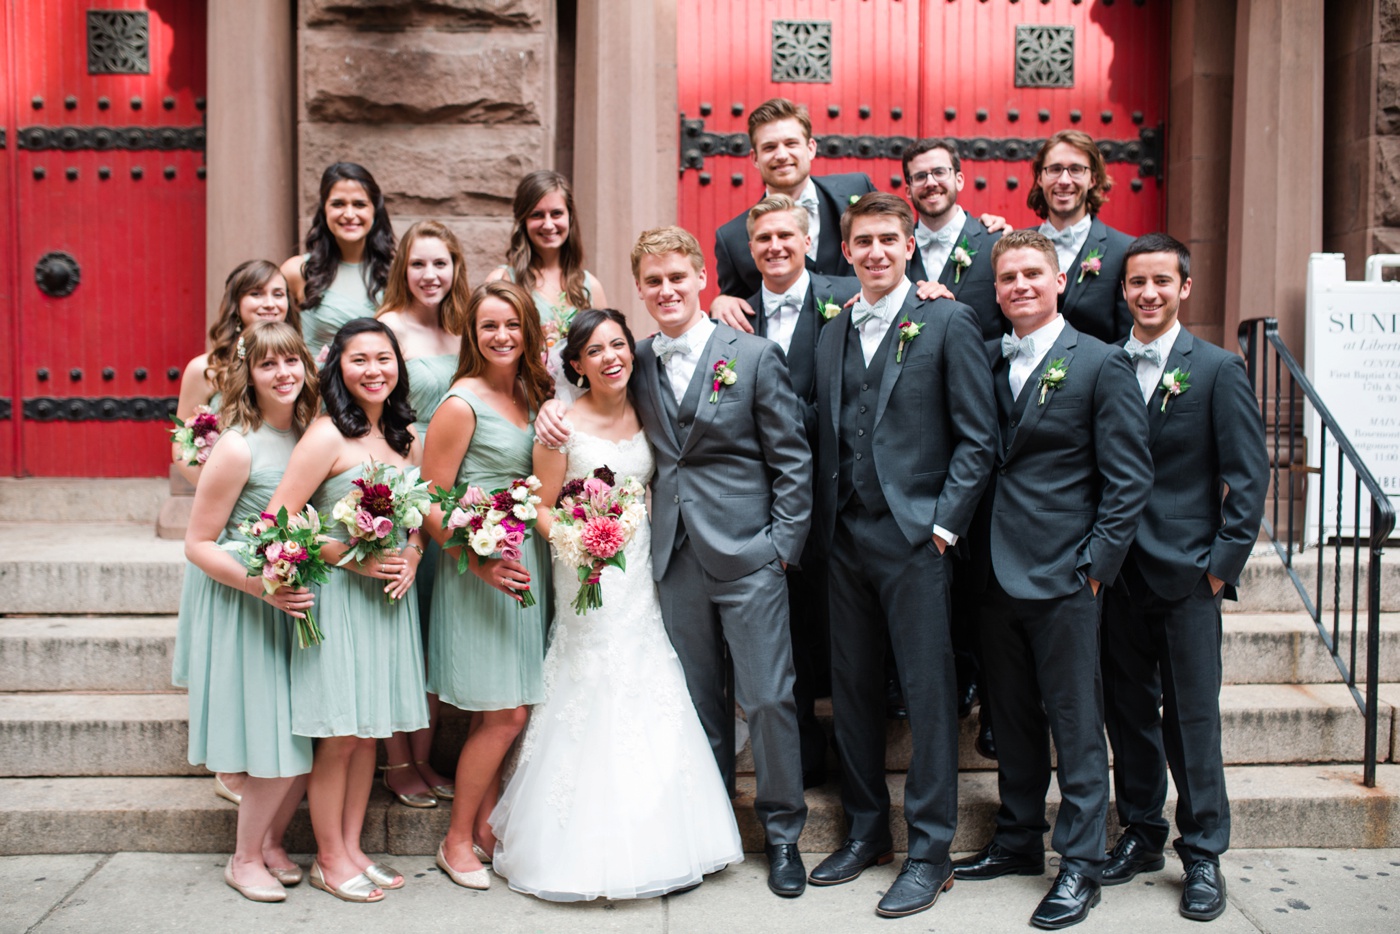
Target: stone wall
447, 102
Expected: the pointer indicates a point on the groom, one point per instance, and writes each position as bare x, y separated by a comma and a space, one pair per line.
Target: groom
731, 503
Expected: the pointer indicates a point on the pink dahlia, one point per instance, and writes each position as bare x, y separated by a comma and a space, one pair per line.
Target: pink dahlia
603, 536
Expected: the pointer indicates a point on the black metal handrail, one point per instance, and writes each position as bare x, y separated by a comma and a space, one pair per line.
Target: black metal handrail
1382, 516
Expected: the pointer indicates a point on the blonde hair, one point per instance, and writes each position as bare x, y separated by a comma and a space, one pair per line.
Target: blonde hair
239, 408
397, 297
773, 204
661, 240
1025, 240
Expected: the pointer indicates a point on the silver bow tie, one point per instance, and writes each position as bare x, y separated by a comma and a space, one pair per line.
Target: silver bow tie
1011, 345
774, 305
667, 347
862, 313
809, 202
926, 238
1140, 351
1063, 238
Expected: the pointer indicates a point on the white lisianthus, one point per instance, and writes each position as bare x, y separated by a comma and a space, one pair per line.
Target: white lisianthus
494, 516
483, 542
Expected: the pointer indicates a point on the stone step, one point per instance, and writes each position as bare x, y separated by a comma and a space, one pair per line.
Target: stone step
95, 734
86, 653
1271, 806
110, 568
1265, 586
1285, 648
82, 499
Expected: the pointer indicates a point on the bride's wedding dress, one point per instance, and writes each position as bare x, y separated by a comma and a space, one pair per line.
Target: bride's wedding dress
615, 792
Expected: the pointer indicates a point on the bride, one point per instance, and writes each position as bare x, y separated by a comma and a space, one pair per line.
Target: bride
616, 793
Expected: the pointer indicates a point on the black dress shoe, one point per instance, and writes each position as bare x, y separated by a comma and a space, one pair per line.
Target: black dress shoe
917, 888
813, 778
854, 857
1203, 899
895, 708
985, 743
1068, 901
967, 696
786, 874
1129, 857
995, 860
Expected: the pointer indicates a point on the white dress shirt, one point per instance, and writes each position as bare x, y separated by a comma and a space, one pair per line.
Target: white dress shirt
1022, 366
680, 369
807, 198
1149, 374
872, 332
935, 246
783, 308
1068, 242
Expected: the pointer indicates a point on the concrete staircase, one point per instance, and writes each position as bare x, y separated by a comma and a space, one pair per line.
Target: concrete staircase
92, 736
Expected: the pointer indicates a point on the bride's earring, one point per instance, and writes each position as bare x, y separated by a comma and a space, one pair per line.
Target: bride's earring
582, 381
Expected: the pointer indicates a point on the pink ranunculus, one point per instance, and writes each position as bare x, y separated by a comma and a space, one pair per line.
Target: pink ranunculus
603, 536
274, 551
475, 496
458, 519
270, 571
364, 521
515, 538
383, 526
510, 553
1095, 264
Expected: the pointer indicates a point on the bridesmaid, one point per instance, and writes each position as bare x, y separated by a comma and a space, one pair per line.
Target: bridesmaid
241, 643
365, 681
546, 256
424, 302
255, 291
348, 249
485, 651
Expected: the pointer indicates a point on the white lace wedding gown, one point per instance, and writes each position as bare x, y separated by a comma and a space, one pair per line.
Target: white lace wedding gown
615, 792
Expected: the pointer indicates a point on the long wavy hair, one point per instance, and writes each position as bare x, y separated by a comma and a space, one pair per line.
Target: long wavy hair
581, 331
472, 362
1098, 168
349, 418
223, 333
239, 408
323, 253
521, 256
453, 307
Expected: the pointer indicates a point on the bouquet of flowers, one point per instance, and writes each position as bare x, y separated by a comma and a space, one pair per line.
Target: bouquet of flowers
490, 523
196, 437
385, 506
285, 551
593, 522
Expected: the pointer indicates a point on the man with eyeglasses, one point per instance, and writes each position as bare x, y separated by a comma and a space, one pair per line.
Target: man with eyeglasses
954, 248
1071, 185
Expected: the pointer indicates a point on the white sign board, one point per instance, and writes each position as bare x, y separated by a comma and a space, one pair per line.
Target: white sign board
1353, 359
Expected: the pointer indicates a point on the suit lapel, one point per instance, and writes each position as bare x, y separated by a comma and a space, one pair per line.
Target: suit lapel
918, 313
1178, 358
832, 369
829, 240
804, 340
1031, 407
971, 232
721, 347
760, 318
1098, 236
651, 386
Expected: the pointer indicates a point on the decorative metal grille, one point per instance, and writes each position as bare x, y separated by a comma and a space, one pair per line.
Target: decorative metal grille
802, 51
118, 42
1044, 56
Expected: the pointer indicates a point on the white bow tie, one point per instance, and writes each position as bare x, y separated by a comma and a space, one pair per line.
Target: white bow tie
926, 238
774, 304
1063, 238
863, 312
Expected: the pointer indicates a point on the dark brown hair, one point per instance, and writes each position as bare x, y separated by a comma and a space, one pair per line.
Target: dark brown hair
521, 256
472, 362
878, 203
1098, 193
223, 333
453, 306
775, 109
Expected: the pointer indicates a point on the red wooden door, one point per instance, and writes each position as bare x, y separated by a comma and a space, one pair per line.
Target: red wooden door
104, 199
881, 73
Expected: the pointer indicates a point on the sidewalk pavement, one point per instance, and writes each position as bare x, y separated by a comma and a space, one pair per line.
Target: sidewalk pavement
1284, 891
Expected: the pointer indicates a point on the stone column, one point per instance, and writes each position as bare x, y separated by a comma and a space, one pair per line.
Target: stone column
1275, 163
250, 148
1198, 157
626, 136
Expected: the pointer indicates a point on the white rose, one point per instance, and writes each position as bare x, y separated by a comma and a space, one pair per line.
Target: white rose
483, 542
412, 519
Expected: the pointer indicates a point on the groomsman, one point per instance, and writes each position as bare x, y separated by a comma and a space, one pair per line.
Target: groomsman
794, 304
907, 437
1071, 185
954, 248
1161, 633
780, 133
1072, 475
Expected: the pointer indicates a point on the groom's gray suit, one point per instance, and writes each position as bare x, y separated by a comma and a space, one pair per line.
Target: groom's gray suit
731, 503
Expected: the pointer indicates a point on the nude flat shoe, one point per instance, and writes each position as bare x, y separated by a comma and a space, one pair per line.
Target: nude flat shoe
222, 791
481, 854
356, 889
384, 876
476, 879
288, 877
254, 893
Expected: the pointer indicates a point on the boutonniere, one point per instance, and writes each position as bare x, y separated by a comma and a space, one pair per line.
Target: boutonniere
1092, 265
962, 258
854, 199
829, 308
908, 330
1174, 384
1052, 376
724, 376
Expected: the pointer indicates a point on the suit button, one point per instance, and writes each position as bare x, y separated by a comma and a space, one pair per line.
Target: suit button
682, 424
833, 476
862, 410
1002, 471
1013, 423
858, 455
680, 463
864, 387
860, 432
676, 499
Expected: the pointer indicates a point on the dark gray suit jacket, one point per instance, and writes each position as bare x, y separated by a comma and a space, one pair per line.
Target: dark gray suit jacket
740, 475
976, 286
935, 421
1072, 474
734, 266
1095, 305
1209, 438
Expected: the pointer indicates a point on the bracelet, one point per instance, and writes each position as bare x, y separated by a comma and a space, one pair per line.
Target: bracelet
416, 547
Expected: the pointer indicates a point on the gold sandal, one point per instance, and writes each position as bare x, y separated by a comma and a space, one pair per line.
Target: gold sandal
445, 792
416, 800
356, 889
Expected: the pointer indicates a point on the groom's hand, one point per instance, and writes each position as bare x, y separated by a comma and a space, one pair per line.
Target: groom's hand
549, 424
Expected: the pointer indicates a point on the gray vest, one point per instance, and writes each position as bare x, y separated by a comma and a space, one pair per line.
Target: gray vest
683, 416
860, 393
